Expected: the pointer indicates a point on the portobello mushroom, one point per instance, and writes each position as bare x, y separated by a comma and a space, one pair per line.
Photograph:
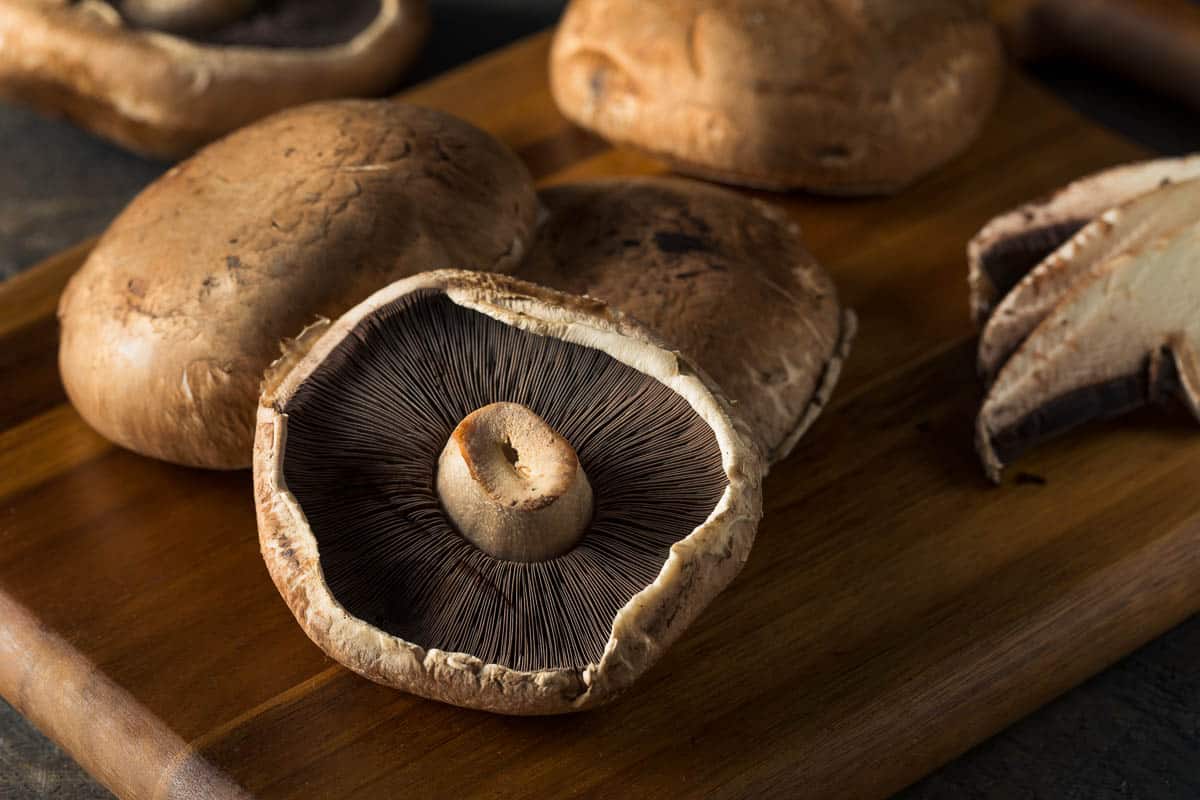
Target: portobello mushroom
1009, 246
839, 98
1116, 233
1117, 330
183, 16
497, 495
169, 324
726, 279
127, 71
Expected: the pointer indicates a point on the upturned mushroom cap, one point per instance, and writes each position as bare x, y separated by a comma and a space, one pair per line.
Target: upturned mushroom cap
1125, 332
356, 538
168, 326
184, 16
1009, 246
725, 279
163, 95
845, 97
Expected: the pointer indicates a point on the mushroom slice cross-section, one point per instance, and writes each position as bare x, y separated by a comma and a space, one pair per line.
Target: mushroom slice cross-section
496, 495
1126, 333
1125, 229
1012, 244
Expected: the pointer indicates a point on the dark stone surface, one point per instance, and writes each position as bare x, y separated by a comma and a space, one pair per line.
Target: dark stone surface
1131, 733
58, 185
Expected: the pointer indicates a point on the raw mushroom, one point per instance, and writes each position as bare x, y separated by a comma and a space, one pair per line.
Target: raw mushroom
725, 279
168, 326
164, 95
1120, 328
1008, 247
1128, 228
841, 98
184, 16
478, 401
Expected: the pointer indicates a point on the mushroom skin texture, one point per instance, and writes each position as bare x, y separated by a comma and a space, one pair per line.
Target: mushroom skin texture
169, 324
1009, 246
725, 279
696, 568
184, 16
164, 96
844, 98
512, 485
1118, 327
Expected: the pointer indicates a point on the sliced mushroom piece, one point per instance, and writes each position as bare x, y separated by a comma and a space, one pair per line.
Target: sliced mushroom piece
725, 279
168, 326
1126, 229
408, 470
1125, 333
1008, 247
834, 97
164, 95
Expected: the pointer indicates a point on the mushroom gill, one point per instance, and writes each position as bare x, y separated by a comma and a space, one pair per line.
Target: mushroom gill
295, 23
365, 431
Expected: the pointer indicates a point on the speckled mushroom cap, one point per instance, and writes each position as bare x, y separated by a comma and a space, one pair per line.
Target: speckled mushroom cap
724, 278
381, 581
169, 324
164, 95
843, 97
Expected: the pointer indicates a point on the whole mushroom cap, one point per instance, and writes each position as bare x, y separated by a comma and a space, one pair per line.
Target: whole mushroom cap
168, 326
164, 95
355, 523
846, 97
725, 279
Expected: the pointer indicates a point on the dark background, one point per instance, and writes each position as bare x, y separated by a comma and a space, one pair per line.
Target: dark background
1131, 732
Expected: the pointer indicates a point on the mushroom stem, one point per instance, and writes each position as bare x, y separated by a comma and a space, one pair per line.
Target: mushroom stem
512, 485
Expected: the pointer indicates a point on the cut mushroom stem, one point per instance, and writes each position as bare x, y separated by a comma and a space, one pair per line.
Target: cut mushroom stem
512, 485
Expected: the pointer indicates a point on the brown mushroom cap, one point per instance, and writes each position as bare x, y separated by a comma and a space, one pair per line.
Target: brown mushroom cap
725, 279
356, 539
1009, 246
1120, 330
168, 326
841, 97
163, 95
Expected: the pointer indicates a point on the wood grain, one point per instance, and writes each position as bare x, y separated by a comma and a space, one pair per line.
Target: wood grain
895, 609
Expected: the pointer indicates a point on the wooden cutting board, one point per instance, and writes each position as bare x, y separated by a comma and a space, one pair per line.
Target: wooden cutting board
896, 609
